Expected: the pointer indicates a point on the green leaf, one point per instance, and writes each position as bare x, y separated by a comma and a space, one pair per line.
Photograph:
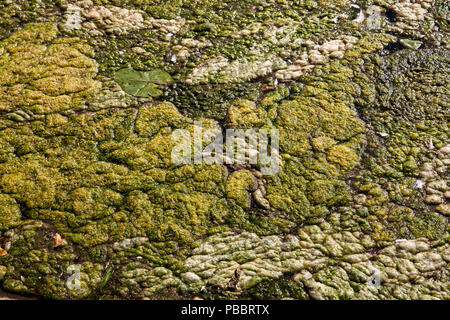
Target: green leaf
142, 83
411, 44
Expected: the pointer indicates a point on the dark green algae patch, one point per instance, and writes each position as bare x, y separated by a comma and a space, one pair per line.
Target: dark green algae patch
82, 158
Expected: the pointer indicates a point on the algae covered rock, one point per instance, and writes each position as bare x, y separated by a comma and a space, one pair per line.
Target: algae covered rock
41, 74
96, 98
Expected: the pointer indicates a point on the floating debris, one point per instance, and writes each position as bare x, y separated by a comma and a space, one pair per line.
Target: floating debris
58, 240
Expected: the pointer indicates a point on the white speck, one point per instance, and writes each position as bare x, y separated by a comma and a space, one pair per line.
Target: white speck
335, 19
431, 146
120, 52
419, 184
354, 6
400, 240
139, 257
174, 58
383, 134
359, 18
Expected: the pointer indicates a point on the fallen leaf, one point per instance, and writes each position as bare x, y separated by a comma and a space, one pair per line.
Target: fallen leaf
142, 83
3, 252
58, 240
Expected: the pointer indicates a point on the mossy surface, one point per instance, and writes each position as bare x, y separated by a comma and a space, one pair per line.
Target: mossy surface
359, 96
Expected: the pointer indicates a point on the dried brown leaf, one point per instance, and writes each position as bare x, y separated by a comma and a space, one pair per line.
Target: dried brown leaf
58, 240
3, 252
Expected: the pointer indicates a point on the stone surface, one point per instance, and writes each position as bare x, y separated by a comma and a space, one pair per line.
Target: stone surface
359, 95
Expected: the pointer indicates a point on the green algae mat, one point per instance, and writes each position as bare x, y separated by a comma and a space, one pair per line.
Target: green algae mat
352, 96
